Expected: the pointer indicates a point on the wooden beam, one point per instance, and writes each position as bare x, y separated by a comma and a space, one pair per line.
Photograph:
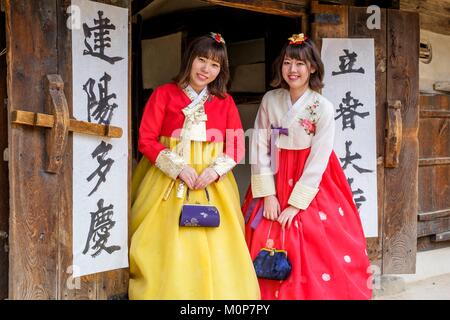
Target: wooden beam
35, 197
434, 14
442, 85
357, 29
4, 195
48, 121
138, 5
434, 161
440, 237
426, 228
401, 193
427, 216
284, 8
217, 19
434, 114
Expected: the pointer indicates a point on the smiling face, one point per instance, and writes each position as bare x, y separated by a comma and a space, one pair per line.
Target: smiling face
296, 73
203, 72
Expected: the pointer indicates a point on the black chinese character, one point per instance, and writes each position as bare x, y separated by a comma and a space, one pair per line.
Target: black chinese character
360, 199
101, 38
100, 110
346, 65
348, 112
349, 158
104, 164
99, 233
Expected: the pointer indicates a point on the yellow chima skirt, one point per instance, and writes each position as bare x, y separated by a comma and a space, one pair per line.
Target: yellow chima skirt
172, 262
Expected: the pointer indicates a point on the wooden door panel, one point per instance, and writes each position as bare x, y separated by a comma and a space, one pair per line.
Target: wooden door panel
357, 28
401, 188
396, 49
41, 202
35, 195
4, 193
434, 172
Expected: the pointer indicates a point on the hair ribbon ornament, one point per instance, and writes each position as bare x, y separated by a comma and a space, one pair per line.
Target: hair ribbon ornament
297, 38
218, 37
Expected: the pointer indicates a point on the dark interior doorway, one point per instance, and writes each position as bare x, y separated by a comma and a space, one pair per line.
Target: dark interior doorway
253, 42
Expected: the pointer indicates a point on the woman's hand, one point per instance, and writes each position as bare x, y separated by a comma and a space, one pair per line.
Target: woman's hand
208, 176
287, 216
189, 176
271, 208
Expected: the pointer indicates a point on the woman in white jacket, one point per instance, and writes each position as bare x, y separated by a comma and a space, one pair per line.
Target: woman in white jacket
299, 198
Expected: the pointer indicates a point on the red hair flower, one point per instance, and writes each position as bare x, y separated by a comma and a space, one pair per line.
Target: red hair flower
297, 38
218, 37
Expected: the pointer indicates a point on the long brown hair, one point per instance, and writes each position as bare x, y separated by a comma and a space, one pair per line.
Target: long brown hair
206, 46
307, 52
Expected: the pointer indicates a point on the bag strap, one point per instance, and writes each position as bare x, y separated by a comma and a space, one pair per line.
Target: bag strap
282, 231
207, 195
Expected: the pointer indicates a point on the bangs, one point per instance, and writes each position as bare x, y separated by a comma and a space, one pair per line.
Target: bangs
306, 52
208, 48
213, 52
298, 52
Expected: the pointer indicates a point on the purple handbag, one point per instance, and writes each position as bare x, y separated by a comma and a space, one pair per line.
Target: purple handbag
199, 215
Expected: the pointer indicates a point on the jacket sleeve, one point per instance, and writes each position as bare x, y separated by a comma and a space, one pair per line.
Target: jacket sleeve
307, 186
234, 142
149, 132
262, 175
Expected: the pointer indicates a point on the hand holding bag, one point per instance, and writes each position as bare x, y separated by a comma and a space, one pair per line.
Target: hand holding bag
271, 263
199, 215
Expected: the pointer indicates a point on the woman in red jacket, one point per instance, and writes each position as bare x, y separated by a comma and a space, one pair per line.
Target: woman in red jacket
191, 137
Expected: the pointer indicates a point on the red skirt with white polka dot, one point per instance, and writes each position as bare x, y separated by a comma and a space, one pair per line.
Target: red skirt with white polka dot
325, 243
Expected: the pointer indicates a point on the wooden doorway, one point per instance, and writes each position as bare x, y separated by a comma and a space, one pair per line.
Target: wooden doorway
4, 194
433, 230
397, 79
253, 39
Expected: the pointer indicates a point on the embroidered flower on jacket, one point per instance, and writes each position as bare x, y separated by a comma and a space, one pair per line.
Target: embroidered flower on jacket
309, 123
310, 127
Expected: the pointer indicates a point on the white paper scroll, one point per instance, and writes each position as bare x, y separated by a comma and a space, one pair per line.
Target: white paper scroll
350, 86
100, 165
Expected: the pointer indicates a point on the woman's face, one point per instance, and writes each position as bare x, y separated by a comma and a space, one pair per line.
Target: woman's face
203, 72
296, 73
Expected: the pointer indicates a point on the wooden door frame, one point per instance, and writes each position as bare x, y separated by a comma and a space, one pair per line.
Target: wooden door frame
394, 250
41, 203
4, 194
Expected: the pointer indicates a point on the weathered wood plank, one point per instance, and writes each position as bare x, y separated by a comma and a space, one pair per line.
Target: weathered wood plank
434, 114
432, 215
442, 86
35, 194
283, 8
48, 121
434, 173
434, 161
434, 14
331, 30
440, 237
4, 195
426, 244
425, 228
426, 189
400, 206
357, 29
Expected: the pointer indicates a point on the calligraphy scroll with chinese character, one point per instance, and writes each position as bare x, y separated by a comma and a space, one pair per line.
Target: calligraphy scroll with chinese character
350, 86
100, 165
